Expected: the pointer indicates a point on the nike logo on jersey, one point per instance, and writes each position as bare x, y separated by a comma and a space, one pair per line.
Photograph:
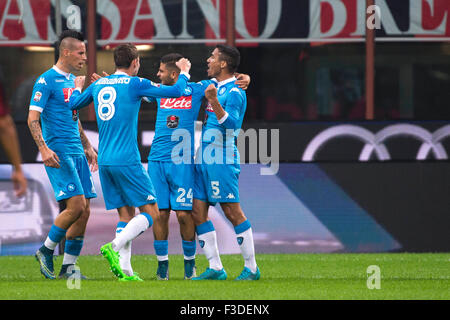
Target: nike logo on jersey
176, 103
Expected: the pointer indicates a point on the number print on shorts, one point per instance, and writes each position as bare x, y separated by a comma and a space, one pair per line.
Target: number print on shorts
181, 197
215, 187
106, 107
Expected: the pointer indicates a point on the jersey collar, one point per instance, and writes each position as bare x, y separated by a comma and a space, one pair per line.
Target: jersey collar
65, 74
224, 82
120, 73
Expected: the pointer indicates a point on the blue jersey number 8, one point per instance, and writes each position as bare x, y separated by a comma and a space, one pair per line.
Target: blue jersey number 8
106, 98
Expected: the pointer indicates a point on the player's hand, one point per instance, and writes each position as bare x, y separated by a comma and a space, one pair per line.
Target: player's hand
91, 157
243, 81
95, 76
79, 81
184, 65
50, 158
20, 183
211, 93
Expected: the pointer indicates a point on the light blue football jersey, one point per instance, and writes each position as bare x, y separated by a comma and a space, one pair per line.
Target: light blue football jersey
117, 100
214, 134
51, 94
173, 114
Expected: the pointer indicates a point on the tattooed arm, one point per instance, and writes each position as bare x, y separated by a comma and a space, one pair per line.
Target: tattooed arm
89, 151
49, 157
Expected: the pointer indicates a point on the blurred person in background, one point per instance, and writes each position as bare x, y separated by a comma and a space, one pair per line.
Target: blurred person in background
10, 143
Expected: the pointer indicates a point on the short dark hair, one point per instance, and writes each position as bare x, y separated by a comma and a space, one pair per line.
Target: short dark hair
125, 54
71, 34
170, 61
230, 55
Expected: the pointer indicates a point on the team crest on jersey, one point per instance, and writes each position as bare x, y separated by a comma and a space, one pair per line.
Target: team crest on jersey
188, 91
176, 103
172, 122
67, 93
222, 91
37, 96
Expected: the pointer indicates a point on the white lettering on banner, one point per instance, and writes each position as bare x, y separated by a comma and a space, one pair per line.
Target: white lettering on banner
339, 18
387, 20
212, 14
109, 11
184, 33
416, 18
26, 20
274, 8
157, 15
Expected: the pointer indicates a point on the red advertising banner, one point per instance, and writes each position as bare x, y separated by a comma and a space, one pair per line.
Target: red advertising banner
26, 22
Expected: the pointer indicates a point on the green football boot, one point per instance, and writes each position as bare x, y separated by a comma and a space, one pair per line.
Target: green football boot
113, 259
134, 277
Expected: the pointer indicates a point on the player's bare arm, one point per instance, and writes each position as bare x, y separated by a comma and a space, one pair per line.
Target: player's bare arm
211, 96
79, 82
184, 65
95, 76
10, 142
243, 80
49, 157
89, 151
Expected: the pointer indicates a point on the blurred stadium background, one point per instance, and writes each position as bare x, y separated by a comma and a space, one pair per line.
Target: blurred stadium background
359, 117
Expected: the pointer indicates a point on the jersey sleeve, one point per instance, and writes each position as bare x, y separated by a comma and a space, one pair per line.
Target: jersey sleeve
80, 100
146, 88
233, 107
41, 94
205, 83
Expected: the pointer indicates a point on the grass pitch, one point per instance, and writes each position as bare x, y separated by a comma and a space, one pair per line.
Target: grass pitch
283, 277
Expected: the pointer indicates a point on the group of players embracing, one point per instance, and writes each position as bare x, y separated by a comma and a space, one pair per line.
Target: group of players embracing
174, 179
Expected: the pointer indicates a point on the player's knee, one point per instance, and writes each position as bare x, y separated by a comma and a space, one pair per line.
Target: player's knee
233, 213
198, 217
184, 217
86, 212
76, 207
